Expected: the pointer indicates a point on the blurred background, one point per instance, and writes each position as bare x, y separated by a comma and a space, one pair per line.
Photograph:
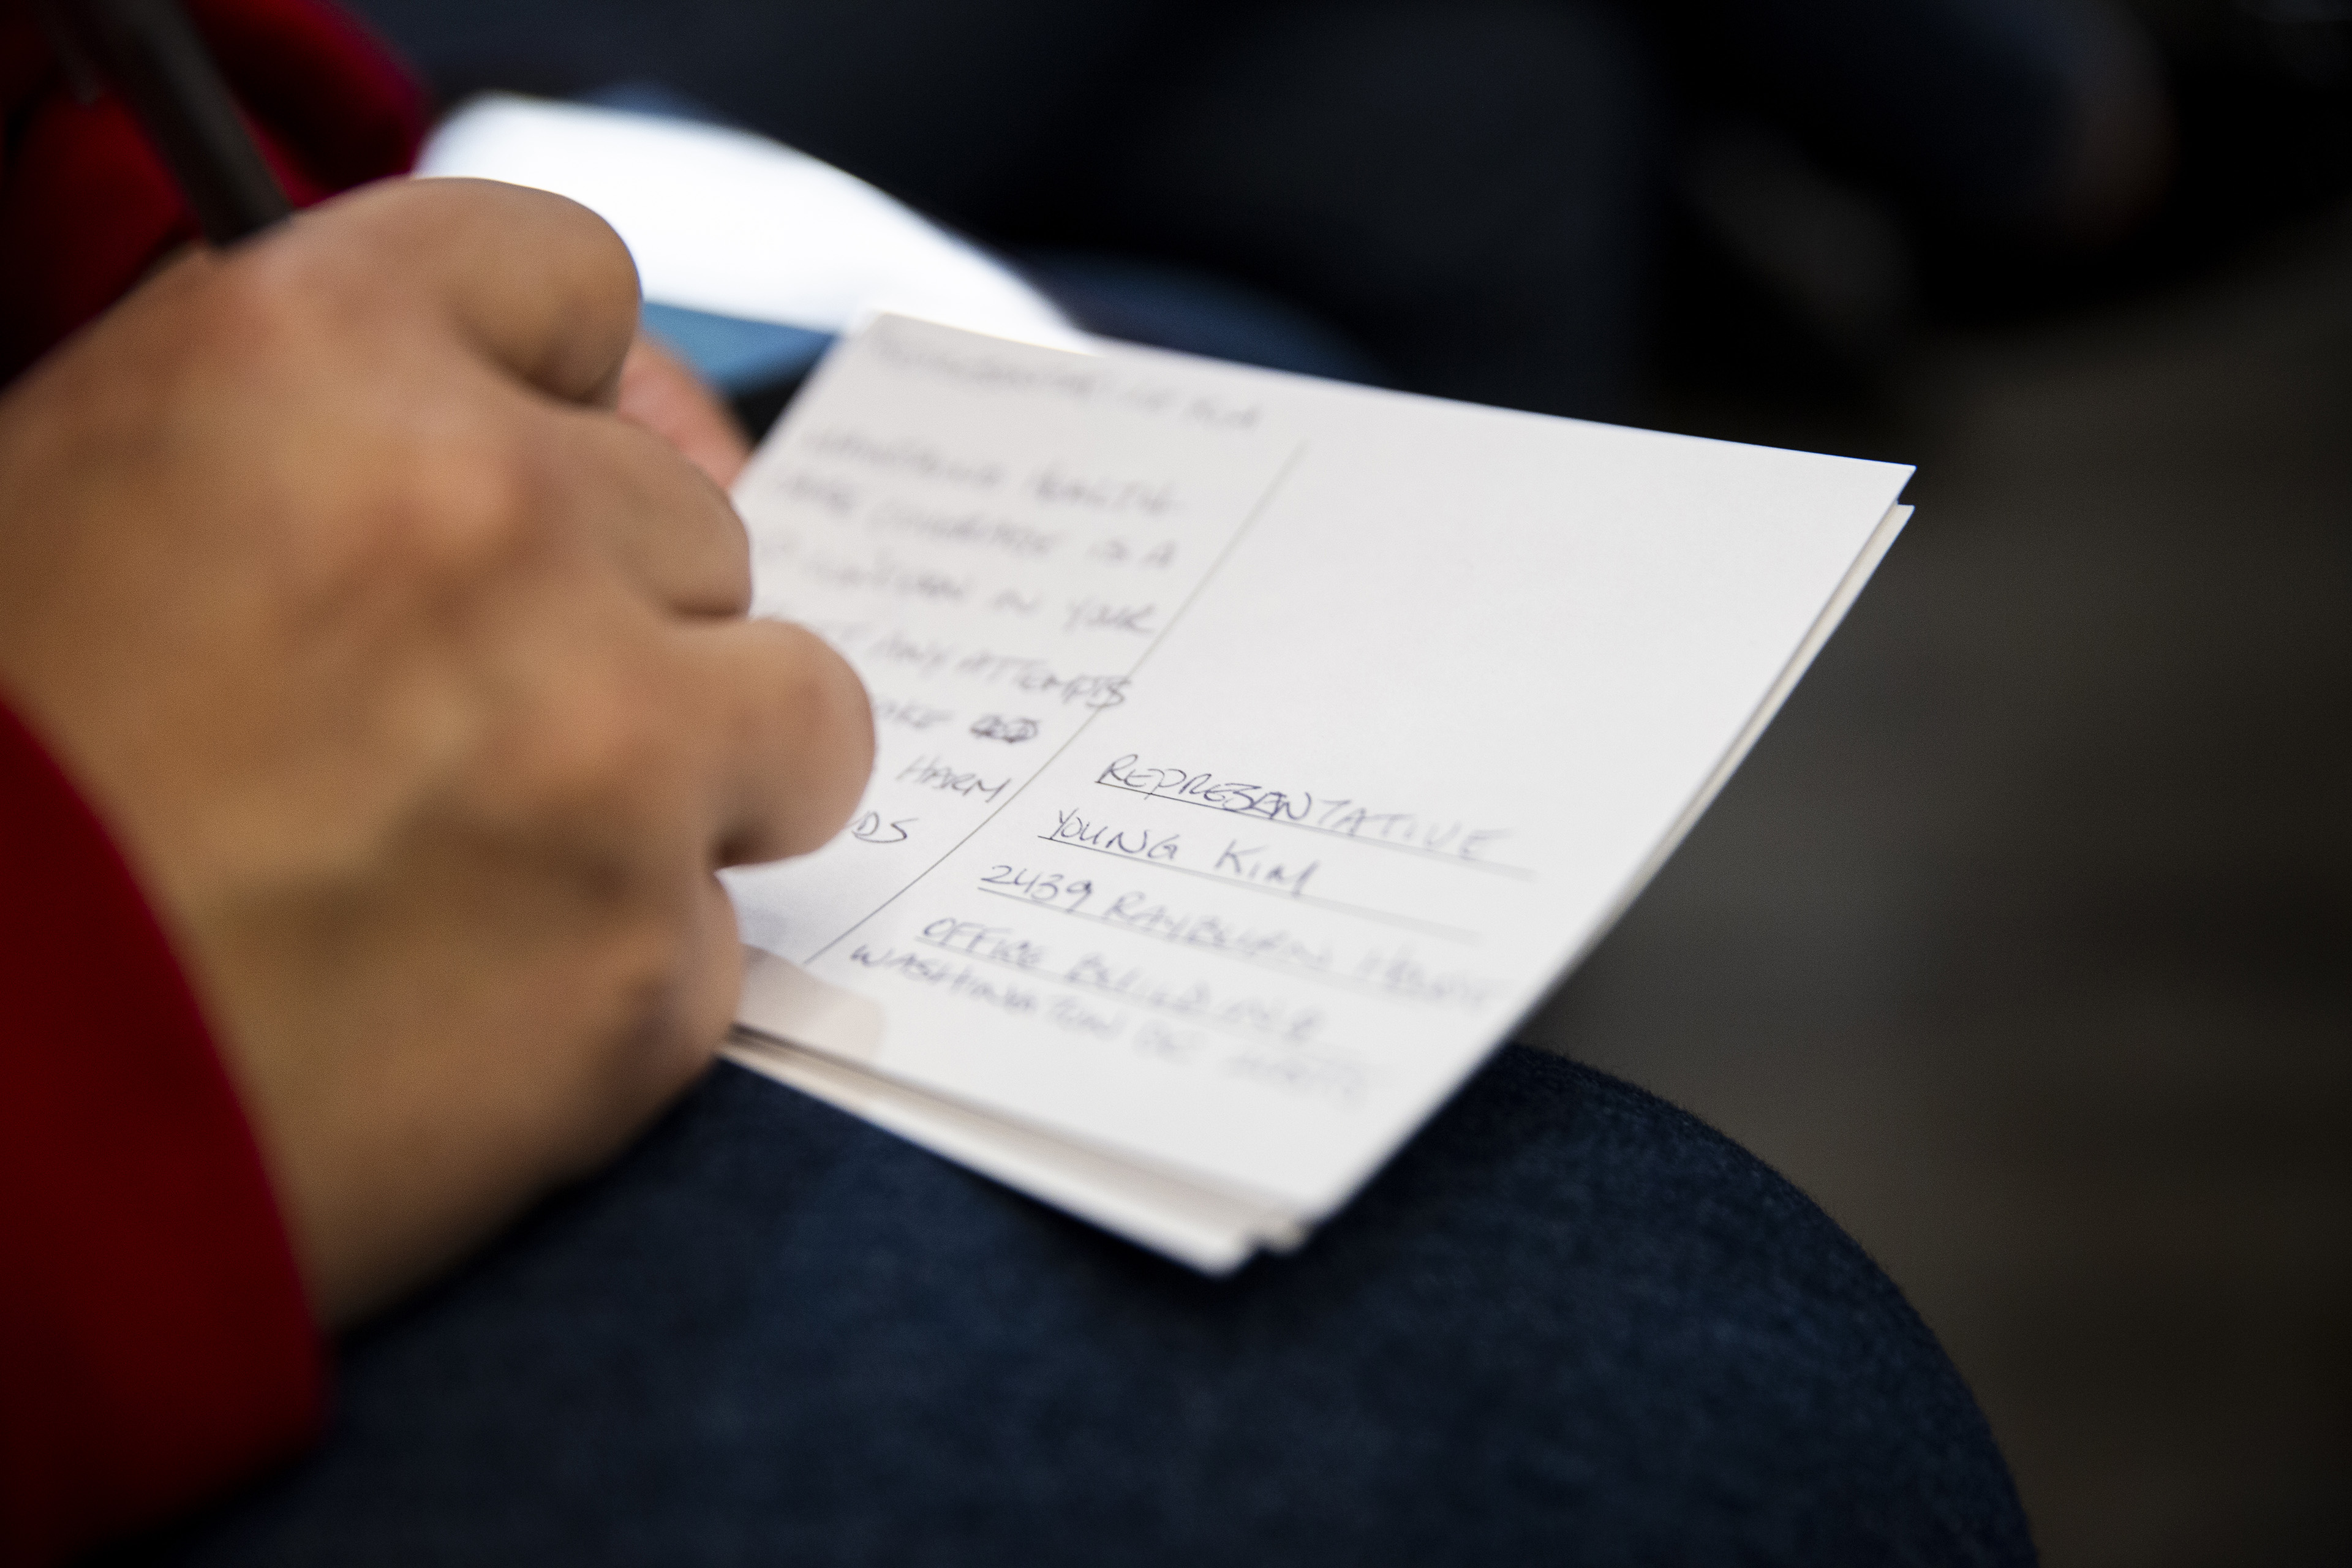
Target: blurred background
2021, 941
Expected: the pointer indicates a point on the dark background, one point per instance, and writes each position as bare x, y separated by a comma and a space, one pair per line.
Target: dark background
2021, 940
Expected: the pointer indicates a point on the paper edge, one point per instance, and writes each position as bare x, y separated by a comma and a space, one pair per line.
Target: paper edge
1817, 637
1208, 1231
1826, 624
782, 1001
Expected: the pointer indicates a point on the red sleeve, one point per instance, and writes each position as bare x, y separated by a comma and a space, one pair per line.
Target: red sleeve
155, 1343
85, 207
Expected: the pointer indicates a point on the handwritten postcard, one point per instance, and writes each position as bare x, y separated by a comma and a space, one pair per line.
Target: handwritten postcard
1254, 752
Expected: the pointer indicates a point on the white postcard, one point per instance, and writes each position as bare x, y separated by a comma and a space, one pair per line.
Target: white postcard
1254, 752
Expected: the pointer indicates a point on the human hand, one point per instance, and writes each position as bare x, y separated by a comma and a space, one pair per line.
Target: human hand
659, 391
414, 683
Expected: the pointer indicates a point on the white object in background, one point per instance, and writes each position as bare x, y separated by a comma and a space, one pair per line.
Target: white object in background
734, 223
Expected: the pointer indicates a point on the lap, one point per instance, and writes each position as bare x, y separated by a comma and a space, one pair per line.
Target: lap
1568, 1318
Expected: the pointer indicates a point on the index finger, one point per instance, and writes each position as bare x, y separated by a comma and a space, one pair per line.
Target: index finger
536, 283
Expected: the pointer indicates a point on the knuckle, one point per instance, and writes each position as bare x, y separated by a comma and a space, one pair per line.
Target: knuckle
591, 786
619, 757
468, 503
609, 752
634, 998
732, 583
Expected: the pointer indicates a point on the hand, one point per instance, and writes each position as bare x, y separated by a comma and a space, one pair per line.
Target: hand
659, 391
414, 682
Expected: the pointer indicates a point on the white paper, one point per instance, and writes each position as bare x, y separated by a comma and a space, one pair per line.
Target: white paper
1254, 752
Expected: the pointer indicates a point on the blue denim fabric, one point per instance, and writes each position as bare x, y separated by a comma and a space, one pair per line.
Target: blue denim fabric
1568, 1323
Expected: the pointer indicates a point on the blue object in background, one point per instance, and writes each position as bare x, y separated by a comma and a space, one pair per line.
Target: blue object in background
735, 355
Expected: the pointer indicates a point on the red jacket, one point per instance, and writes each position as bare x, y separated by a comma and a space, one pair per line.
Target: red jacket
155, 1344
